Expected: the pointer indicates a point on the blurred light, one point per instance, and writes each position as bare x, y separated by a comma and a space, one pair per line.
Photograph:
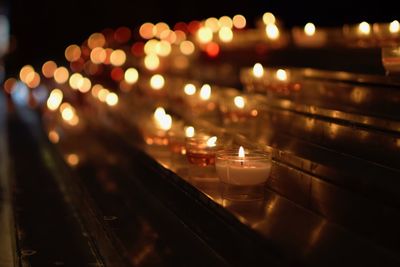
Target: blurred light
146, 30
204, 35
212, 24
96, 89
272, 31
309, 29
122, 34
67, 112
225, 21
96, 40
164, 122
239, 102
159, 112
186, 47
205, 92
55, 99
33, 79
189, 131
394, 26
157, 82
150, 46
137, 49
61, 75
54, 137
72, 159
194, 26
108, 51
239, 21
212, 49
180, 36
268, 18
212, 141
75, 80
180, 26
160, 27
180, 62
281, 75
20, 93
364, 28
77, 65
98, 55
48, 68
131, 75
169, 36
225, 34
102, 95
189, 89
151, 62
26, 72
163, 48
258, 70
84, 85
117, 74
118, 57
9, 85
112, 99
72, 53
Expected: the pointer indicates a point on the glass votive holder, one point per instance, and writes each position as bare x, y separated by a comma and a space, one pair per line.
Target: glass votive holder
243, 173
359, 35
201, 149
253, 79
391, 59
309, 36
387, 34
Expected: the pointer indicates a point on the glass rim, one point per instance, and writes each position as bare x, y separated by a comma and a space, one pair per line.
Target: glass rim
232, 154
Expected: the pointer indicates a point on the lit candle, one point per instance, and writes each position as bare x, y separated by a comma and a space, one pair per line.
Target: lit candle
310, 36
200, 149
237, 168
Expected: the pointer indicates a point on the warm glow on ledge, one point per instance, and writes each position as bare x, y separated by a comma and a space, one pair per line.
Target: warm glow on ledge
394, 26
364, 28
272, 31
205, 92
281, 75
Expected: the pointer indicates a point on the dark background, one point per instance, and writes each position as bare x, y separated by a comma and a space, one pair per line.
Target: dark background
42, 29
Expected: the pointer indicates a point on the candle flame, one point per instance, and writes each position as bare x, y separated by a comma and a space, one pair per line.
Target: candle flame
205, 92
281, 75
112, 99
189, 131
394, 26
157, 82
258, 70
268, 18
364, 28
212, 141
162, 119
239, 101
309, 29
159, 112
241, 153
272, 31
189, 89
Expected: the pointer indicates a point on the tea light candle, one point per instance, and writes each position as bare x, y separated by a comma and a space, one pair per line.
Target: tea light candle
200, 149
176, 138
243, 169
310, 36
155, 130
238, 109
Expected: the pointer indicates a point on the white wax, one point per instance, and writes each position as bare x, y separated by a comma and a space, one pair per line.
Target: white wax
250, 173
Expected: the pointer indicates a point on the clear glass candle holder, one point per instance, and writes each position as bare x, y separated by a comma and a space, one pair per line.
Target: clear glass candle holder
391, 59
243, 177
200, 149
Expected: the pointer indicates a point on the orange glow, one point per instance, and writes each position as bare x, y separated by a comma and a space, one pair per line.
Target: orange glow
72, 53
157, 82
239, 21
131, 75
91, 68
272, 31
137, 49
159, 28
212, 49
225, 34
72, 159
75, 80
169, 36
151, 62
194, 26
180, 62
309, 29
48, 68
364, 28
118, 57
96, 89
61, 75
150, 46
98, 55
212, 23
78, 65
122, 34
34, 81
108, 56
96, 40
84, 85
147, 30
54, 137
268, 18
204, 35
117, 74
186, 47
180, 36
26, 71
112, 99
55, 99
225, 21
9, 85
